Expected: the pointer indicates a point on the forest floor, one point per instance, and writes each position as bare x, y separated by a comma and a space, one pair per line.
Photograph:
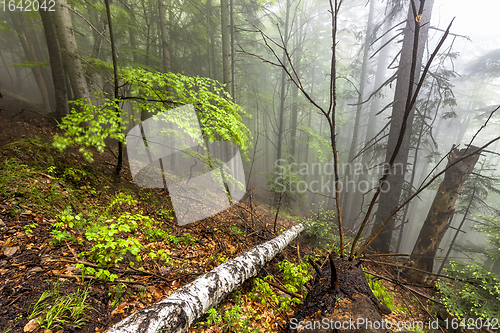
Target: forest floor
58, 275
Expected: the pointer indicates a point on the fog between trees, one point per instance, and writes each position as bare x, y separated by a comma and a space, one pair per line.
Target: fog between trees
291, 156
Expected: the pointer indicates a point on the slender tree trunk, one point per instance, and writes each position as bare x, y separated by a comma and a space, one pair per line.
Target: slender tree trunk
226, 63
131, 33
233, 83
309, 116
408, 73
67, 41
282, 95
36, 70
42, 55
164, 37
211, 47
115, 82
295, 92
442, 208
56, 64
357, 202
347, 194
100, 22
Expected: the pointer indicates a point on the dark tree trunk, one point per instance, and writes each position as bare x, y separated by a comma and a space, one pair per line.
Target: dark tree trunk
410, 63
442, 208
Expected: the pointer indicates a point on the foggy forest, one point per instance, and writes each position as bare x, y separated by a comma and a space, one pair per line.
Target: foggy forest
249, 166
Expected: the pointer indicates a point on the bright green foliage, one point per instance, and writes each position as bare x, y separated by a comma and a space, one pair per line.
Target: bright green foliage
54, 309
90, 126
109, 231
213, 317
480, 296
478, 299
94, 121
294, 275
236, 319
381, 293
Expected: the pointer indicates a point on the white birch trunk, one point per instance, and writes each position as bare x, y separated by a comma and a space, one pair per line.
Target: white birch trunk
178, 311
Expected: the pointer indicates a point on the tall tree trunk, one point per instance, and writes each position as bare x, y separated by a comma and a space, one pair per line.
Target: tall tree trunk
226, 70
357, 202
36, 70
211, 48
282, 95
295, 91
42, 55
408, 73
233, 83
164, 37
56, 64
442, 208
131, 33
67, 41
347, 195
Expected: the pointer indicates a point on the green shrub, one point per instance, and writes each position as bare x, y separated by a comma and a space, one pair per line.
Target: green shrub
479, 297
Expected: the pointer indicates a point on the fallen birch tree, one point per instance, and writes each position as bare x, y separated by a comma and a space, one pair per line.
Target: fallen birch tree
178, 311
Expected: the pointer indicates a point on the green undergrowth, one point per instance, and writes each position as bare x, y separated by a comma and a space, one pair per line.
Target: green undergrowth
237, 318
382, 294
55, 309
86, 208
118, 233
35, 176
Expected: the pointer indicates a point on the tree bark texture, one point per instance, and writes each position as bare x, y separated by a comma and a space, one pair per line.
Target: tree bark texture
73, 65
411, 57
442, 208
56, 64
178, 311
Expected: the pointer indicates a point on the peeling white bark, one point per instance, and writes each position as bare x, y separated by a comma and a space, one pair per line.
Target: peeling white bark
178, 311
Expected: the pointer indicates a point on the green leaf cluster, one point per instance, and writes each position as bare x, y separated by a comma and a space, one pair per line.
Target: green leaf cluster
478, 296
92, 121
